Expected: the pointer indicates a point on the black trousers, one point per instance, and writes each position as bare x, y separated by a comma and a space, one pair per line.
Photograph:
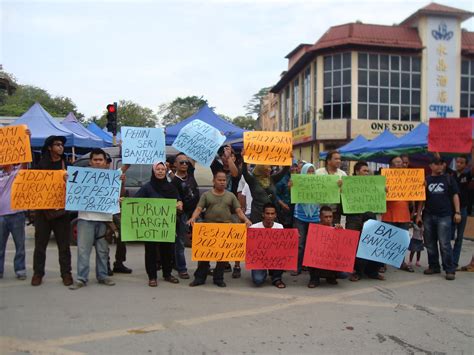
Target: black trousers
203, 268
121, 248
166, 251
61, 228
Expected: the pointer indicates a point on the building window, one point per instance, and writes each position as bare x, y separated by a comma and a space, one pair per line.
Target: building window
280, 112
467, 88
287, 109
315, 92
296, 101
337, 86
307, 95
389, 87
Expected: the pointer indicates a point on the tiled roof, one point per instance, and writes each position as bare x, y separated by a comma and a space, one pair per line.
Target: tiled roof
437, 9
467, 43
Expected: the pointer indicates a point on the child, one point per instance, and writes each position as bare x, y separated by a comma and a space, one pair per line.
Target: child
416, 244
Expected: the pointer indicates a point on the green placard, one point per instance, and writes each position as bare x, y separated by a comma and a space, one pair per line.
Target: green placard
148, 220
363, 194
309, 188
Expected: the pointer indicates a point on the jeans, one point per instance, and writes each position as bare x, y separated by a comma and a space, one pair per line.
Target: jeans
62, 232
303, 232
259, 276
181, 231
438, 229
14, 224
91, 233
457, 230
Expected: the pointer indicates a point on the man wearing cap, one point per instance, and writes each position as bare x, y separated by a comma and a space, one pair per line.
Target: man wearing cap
442, 202
52, 158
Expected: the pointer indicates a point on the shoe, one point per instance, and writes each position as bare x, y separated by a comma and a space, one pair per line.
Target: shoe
183, 275
195, 283
431, 271
220, 283
172, 279
107, 282
450, 276
77, 285
313, 283
121, 269
236, 273
21, 277
36, 280
67, 280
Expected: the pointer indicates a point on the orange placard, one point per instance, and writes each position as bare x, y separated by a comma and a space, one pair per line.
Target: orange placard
405, 184
268, 148
219, 241
38, 190
15, 145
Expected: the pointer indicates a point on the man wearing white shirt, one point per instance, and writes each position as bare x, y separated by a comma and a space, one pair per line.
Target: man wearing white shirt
259, 276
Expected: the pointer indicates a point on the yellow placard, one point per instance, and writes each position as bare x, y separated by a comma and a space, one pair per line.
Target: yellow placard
219, 241
405, 184
15, 145
268, 148
38, 190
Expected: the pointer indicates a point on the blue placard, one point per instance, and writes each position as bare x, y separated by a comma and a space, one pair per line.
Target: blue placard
199, 141
93, 190
143, 145
383, 242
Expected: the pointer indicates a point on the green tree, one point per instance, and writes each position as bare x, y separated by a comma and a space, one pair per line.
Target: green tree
253, 106
26, 95
129, 114
179, 109
245, 122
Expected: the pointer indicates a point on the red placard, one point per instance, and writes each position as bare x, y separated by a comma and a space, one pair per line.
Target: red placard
329, 248
274, 249
450, 135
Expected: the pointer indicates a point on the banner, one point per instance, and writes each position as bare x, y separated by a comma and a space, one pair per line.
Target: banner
219, 241
405, 184
14, 145
309, 188
383, 242
361, 194
270, 248
93, 190
199, 141
148, 220
329, 248
268, 148
38, 190
452, 135
143, 145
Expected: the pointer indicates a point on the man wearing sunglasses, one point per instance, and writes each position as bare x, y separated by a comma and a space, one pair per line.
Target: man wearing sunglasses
188, 190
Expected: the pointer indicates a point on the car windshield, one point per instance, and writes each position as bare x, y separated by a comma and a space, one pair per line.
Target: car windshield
137, 175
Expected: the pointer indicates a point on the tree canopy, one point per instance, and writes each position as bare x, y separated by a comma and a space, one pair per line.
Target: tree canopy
130, 114
245, 122
253, 106
179, 109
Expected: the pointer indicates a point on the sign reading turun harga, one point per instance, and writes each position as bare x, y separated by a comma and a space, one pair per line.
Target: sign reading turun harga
441, 54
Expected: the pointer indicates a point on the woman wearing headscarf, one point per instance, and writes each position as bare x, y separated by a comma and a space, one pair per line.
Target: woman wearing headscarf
159, 187
305, 213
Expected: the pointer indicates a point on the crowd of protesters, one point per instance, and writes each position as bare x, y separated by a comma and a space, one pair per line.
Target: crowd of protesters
258, 197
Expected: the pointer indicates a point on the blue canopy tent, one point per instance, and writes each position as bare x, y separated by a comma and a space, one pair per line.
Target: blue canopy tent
71, 123
353, 145
233, 133
99, 132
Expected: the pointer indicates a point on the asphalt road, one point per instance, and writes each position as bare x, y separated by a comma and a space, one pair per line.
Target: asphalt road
407, 314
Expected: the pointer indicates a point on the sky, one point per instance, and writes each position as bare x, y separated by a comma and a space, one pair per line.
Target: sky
150, 52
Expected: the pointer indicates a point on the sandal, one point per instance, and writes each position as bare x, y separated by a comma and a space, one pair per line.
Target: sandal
183, 275
313, 284
354, 278
279, 284
468, 268
153, 283
407, 267
171, 279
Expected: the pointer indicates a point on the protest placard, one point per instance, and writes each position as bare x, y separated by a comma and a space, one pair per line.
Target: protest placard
38, 190
450, 135
361, 194
308, 188
383, 242
405, 184
143, 145
93, 190
199, 141
14, 145
148, 219
268, 148
329, 248
219, 241
269, 248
